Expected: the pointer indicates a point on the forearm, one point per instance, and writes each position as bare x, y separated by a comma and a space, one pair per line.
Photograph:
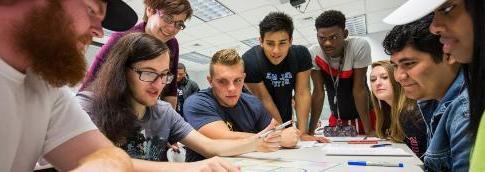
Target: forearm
111, 157
302, 107
152, 166
362, 105
229, 147
272, 109
228, 135
316, 110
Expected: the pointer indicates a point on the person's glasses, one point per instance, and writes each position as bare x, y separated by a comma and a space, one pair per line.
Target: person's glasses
169, 20
329, 38
149, 76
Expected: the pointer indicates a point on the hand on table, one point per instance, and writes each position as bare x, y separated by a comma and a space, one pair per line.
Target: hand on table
290, 137
306, 137
214, 164
268, 140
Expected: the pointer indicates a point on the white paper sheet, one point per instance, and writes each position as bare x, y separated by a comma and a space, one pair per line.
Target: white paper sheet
362, 150
265, 165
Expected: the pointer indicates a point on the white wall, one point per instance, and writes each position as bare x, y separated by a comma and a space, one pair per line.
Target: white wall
200, 77
375, 41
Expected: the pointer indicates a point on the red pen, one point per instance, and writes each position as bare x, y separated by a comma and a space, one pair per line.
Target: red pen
362, 142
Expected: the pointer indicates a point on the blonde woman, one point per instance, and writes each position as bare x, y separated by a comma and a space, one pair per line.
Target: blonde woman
397, 117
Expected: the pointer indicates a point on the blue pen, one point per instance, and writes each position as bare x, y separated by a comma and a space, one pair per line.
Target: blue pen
380, 145
382, 164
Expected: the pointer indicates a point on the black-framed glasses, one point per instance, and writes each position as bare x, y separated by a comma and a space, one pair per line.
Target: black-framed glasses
180, 25
329, 38
149, 76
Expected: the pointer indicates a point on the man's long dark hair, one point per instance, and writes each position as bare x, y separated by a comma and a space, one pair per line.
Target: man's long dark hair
111, 110
476, 69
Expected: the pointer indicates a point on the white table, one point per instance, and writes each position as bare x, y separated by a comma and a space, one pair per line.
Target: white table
316, 154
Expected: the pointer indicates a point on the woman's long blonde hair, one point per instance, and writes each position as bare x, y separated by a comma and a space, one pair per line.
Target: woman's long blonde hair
388, 118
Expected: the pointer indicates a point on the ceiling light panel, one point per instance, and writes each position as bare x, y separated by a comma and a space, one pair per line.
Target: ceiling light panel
356, 25
251, 42
208, 10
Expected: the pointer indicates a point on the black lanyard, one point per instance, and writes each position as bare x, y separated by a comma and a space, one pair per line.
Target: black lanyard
336, 80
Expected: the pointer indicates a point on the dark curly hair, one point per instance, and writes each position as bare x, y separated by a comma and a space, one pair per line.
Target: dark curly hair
417, 35
330, 18
274, 22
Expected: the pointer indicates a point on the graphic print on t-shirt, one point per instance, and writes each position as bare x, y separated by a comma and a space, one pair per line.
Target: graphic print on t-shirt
146, 148
279, 79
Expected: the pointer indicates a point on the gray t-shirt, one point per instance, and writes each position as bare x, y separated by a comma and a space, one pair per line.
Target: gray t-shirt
160, 125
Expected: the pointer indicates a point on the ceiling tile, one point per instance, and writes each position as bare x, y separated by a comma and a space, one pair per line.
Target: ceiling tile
376, 5
185, 37
196, 45
350, 9
229, 23
245, 33
219, 39
331, 3
193, 22
309, 5
244, 5
200, 31
255, 16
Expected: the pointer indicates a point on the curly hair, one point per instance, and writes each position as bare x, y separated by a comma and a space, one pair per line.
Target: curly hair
416, 35
330, 18
170, 7
274, 22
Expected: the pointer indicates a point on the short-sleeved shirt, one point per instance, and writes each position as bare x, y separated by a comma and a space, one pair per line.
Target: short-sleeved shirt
249, 114
357, 54
186, 87
172, 44
35, 118
279, 79
160, 125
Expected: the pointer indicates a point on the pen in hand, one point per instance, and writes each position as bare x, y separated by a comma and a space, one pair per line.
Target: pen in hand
279, 127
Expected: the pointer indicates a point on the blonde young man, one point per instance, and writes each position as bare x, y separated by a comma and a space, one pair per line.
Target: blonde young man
223, 111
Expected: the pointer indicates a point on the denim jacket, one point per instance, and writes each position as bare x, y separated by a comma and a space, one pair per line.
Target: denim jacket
449, 143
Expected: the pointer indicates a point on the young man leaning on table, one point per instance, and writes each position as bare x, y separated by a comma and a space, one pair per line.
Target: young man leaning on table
223, 111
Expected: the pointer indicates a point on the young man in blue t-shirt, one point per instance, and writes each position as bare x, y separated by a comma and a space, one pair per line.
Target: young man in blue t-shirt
223, 111
276, 68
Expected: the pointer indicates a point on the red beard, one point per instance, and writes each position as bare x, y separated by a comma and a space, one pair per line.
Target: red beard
48, 39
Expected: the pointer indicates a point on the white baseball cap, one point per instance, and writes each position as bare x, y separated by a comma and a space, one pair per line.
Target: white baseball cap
412, 10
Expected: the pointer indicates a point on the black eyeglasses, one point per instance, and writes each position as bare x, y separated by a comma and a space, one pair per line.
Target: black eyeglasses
149, 76
169, 20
